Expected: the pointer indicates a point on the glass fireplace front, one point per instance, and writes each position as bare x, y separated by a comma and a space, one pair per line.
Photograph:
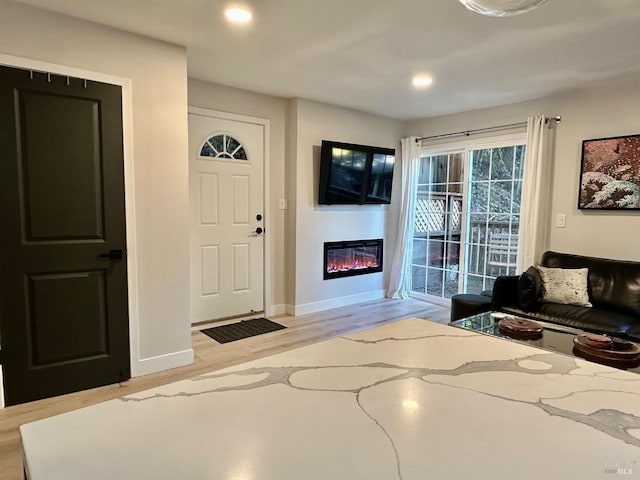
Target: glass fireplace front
358, 257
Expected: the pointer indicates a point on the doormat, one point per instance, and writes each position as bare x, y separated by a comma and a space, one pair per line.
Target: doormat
244, 329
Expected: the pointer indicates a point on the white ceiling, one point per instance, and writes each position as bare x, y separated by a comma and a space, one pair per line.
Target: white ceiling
363, 53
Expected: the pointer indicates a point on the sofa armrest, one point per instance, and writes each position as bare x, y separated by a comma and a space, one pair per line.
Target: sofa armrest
505, 292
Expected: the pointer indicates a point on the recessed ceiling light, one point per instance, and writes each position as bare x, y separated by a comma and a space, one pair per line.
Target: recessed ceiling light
422, 81
238, 15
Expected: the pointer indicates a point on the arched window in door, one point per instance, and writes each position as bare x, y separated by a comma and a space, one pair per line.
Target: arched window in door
223, 146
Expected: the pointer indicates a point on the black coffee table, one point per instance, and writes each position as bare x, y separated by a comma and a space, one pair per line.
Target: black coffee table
555, 338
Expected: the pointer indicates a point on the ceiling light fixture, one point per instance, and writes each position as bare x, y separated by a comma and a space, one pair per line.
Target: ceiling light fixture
501, 8
238, 15
422, 81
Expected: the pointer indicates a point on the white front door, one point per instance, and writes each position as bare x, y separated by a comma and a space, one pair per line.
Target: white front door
226, 228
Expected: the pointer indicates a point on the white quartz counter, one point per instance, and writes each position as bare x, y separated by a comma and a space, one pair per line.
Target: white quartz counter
408, 400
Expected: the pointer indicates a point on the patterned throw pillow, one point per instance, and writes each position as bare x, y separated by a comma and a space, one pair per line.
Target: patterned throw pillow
565, 285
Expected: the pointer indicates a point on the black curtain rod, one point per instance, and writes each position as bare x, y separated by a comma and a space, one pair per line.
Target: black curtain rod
466, 133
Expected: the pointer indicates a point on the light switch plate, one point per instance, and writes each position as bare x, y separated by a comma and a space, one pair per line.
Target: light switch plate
561, 220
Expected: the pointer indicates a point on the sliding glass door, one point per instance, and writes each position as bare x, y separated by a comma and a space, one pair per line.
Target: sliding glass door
438, 225
467, 218
493, 215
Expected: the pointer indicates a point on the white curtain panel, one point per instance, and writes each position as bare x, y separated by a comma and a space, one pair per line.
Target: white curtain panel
400, 278
536, 193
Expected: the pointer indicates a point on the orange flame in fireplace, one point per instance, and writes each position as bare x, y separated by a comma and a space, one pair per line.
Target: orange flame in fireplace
357, 264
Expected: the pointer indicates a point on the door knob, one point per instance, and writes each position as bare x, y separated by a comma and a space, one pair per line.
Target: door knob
258, 231
115, 254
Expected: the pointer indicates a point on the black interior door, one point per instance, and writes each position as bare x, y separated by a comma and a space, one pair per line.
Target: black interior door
63, 283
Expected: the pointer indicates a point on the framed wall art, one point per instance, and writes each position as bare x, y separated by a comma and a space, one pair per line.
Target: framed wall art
610, 173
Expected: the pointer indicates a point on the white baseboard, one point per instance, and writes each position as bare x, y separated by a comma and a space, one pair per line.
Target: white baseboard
275, 310
334, 303
145, 366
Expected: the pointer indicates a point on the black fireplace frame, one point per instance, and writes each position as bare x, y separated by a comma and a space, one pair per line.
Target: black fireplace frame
378, 242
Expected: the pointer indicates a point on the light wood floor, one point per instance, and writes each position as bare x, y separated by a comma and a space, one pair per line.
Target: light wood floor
210, 355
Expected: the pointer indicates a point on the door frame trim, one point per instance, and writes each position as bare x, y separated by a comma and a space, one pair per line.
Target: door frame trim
129, 189
266, 191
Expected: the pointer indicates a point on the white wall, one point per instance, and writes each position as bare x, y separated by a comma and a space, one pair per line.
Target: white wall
160, 313
233, 100
603, 109
316, 224
291, 170
297, 129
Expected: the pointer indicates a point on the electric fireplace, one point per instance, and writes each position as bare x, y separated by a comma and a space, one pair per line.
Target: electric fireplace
357, 257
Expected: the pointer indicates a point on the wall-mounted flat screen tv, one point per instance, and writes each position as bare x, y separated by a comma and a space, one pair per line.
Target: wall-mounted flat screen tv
353, 174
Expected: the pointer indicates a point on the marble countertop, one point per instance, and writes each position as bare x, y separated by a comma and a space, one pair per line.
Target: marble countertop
408, 400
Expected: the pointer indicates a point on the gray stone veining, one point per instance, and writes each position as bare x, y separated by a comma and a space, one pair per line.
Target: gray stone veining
412, 382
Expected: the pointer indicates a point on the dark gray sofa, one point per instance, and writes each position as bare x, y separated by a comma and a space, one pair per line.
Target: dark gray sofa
614, 291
